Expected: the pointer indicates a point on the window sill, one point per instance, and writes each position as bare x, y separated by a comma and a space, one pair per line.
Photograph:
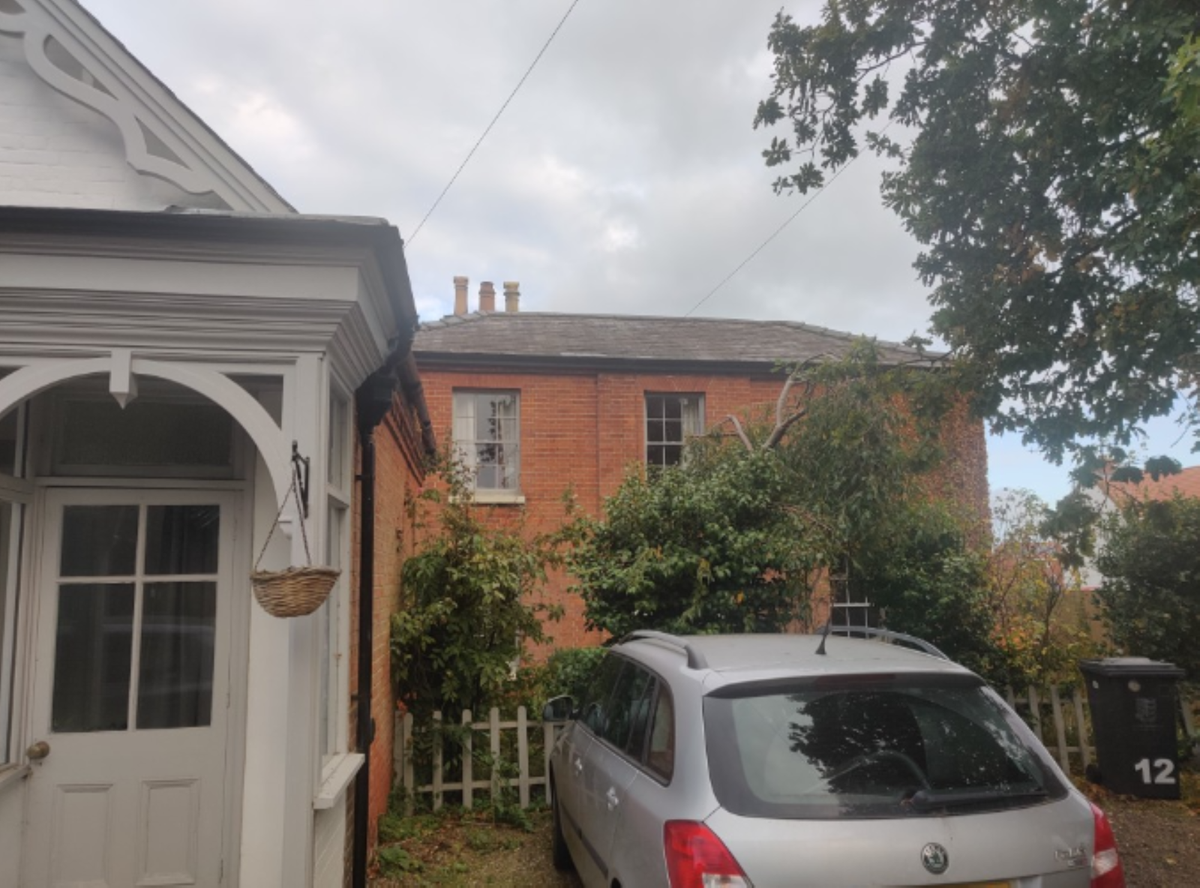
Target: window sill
10, 775
339, 773
498, 498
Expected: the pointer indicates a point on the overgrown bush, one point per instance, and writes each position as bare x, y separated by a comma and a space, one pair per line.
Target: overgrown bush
470, 597
928, 582
704, 547
1035, 594
1151, 590
570, 670
760, 518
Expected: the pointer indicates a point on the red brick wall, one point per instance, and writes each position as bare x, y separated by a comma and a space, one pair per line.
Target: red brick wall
584, 430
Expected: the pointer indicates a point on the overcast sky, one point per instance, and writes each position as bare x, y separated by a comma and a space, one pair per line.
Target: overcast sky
624, 177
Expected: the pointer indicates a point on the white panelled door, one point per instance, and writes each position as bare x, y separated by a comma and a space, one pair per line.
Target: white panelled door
130, 690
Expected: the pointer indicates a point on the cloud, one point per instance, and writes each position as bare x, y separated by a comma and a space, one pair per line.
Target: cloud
623, 177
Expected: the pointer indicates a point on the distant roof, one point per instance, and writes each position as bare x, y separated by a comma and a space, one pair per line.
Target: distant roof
588, 339
1186, 483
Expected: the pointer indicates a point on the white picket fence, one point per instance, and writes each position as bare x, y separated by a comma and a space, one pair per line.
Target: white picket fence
1067, 719
402, 758
1060, 731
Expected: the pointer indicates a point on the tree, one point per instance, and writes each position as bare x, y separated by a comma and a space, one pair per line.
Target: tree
700, 547
1151, 588
1053, 179
468, 602
928, 581
1035, 595
740, 536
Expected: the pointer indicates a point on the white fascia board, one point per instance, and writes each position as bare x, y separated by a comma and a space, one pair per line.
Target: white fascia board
171, 277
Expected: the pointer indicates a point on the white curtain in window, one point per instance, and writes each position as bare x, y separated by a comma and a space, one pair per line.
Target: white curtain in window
506, 437
693, 416
464, 429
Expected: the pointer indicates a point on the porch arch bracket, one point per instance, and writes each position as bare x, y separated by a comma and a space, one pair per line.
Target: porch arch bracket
218, 388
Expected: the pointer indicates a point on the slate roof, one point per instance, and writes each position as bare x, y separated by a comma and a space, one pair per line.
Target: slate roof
589, 339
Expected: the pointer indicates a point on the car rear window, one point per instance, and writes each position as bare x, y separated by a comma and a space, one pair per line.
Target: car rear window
886, 746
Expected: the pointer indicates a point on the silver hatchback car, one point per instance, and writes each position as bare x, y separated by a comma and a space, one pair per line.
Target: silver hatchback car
764, 761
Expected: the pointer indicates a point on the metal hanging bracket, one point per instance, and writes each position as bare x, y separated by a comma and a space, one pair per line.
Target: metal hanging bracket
301, 465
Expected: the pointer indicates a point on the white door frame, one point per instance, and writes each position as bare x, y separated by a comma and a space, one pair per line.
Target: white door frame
241, 509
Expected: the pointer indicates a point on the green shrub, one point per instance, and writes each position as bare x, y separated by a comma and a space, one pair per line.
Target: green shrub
395, 861
569, 670
470, 597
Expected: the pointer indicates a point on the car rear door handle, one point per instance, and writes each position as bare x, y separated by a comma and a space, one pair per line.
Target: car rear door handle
611, 798
577, 765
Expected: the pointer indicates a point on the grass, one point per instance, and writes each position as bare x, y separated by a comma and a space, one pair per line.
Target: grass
455, 848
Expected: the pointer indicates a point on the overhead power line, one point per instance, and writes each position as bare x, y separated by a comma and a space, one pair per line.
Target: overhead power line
774, 234
479, 141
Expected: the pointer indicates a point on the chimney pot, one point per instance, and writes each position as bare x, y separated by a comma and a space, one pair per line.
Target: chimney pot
512, 296
487, 296
460, 295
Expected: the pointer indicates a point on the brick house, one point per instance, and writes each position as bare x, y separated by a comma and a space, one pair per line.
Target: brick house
172, 334
539, 402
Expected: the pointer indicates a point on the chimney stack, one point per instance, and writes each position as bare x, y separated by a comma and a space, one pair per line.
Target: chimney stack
460, 295
487, 296
512, 296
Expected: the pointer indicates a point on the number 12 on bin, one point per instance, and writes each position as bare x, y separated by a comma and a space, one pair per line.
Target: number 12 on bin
1164, 767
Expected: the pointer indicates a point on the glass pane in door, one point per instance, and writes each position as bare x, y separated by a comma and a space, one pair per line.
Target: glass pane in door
182, 539
175, 672
93, 650
8, 442
10, 536
99, 541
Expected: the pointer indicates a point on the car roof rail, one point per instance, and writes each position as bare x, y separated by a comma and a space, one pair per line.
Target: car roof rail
887, 635
695, 659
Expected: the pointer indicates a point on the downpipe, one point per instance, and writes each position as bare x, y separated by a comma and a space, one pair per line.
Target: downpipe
373, 401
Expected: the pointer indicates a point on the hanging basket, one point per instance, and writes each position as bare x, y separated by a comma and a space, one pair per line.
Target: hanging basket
294, 591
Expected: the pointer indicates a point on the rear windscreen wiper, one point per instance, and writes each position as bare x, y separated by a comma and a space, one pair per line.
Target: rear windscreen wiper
926, 800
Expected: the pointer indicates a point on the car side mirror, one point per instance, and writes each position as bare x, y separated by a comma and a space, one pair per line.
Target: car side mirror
558, 709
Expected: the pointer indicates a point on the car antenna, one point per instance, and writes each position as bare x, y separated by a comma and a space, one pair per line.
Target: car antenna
825, 633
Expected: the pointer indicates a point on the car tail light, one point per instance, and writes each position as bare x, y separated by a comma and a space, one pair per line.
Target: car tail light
696, 858
1106, 862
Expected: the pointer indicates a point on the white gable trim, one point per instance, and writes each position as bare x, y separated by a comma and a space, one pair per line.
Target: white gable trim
162, 138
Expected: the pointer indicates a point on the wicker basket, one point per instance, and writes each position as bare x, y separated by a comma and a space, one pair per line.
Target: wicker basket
294, 592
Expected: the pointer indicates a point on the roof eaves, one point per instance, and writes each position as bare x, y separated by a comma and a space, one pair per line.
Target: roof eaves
576, 363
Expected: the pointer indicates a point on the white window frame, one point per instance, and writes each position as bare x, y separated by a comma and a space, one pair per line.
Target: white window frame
336, 764
332, 729
152, 393
15, 492
849, 607
465, 443
696, 421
